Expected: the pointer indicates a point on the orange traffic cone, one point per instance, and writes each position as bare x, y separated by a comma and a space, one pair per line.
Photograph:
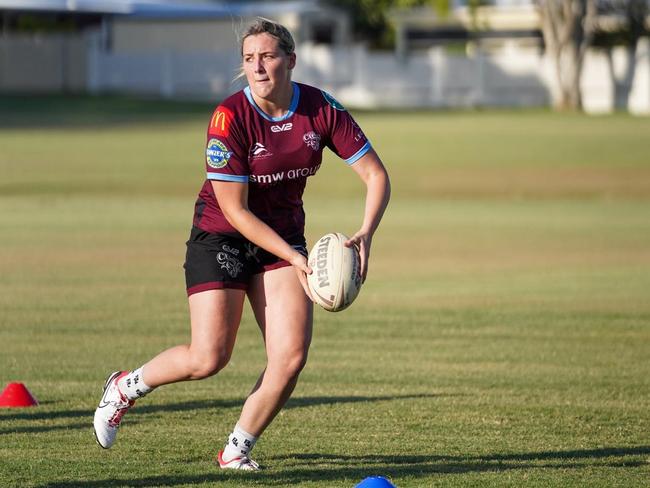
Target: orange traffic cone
17, 395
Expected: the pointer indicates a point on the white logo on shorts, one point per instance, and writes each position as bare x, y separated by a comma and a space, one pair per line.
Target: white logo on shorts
231, 265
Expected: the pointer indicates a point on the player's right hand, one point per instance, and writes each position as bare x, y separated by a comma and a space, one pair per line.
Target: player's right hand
299, 263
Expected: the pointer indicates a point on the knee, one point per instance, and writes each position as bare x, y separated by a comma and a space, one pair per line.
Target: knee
292, 365
205, 364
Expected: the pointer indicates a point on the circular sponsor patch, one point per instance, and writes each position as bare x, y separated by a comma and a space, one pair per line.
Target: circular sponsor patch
332, 101
217, 154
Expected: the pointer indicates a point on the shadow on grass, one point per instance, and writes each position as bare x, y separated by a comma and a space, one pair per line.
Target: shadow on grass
298, 402
305, 468
140, 410
34, 414
87, 111
32, 429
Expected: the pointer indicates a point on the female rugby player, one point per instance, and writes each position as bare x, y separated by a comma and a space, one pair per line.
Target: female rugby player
248, 239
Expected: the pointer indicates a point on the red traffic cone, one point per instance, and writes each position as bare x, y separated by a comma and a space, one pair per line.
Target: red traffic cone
17, 395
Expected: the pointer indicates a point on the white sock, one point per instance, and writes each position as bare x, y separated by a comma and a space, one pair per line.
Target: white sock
240, 443
133, 386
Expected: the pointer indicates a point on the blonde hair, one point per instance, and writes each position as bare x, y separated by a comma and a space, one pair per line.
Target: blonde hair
267, 26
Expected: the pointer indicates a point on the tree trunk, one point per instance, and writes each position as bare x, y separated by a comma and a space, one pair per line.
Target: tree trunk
622, 86
568, 28
636, 12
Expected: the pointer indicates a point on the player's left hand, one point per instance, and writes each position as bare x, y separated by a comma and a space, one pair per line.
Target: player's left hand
362, 240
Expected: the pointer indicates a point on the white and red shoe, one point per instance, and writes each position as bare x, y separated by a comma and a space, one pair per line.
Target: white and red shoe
110, 411
240, 462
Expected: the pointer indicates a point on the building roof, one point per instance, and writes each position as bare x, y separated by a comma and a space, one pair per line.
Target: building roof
161, 8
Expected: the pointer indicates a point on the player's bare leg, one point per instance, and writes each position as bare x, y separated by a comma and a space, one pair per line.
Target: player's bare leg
285, 316
215, 316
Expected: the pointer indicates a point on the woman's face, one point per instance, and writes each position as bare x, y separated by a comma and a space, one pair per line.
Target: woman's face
267, 67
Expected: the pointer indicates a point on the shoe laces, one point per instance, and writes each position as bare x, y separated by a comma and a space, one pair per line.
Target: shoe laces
121, 407
115, 420
247, 463
242, 462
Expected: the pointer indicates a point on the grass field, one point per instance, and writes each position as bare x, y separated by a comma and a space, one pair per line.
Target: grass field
502, 337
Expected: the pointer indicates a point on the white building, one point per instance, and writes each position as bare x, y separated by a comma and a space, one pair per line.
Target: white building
128, 45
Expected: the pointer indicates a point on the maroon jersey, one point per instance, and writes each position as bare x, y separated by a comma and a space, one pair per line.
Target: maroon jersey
274, 155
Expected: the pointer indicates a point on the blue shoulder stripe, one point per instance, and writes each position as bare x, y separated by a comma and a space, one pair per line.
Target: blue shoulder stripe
223, 177
353, 159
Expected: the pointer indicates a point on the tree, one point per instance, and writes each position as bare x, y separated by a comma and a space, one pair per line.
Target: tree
369, 17
568, 27
634, 14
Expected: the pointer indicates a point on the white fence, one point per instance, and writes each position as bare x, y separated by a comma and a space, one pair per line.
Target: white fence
358, 77
511, 77
168, 74
42, 63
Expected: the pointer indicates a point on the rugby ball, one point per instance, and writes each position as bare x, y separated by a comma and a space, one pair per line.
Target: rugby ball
336, 272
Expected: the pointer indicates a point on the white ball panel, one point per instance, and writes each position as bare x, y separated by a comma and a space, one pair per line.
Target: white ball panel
335, 281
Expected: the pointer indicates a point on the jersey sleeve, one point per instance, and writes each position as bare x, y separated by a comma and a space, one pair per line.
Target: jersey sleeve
226, 157
346, 138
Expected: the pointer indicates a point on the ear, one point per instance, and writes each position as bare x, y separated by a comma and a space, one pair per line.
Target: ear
292, 61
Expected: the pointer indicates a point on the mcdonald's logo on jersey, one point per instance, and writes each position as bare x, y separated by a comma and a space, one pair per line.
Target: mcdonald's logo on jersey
220, 123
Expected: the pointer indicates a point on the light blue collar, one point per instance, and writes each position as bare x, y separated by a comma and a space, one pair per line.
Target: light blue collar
292, 107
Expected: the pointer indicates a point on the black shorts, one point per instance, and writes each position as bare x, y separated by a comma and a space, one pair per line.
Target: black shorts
217, 261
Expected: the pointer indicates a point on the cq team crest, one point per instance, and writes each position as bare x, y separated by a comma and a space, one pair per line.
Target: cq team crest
217, 154
312, 140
